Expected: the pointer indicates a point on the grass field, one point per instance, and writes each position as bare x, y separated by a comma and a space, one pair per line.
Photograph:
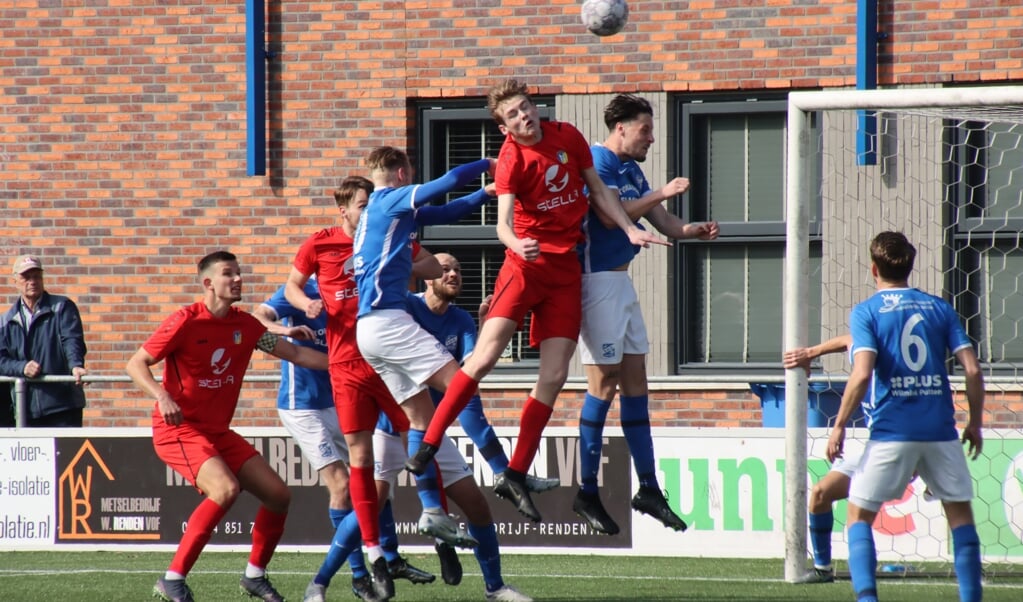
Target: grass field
114, 576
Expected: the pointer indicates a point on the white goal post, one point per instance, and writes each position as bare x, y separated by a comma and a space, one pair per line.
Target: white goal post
806, 141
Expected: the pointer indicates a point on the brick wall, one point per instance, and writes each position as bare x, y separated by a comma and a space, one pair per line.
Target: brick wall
123, 140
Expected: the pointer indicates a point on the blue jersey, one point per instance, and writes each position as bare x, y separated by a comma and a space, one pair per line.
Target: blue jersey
302, 388
606, 248
455, 328
911, 333
383, 239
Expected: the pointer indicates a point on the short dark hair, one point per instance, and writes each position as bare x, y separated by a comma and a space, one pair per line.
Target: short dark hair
387, 158
215, 257
625, 108
502, 92
345, 193
893, 255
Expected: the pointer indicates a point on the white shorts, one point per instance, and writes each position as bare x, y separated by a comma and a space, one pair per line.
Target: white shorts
612, 323
847, 464
402, 352
389, 455
318, 435
888, 466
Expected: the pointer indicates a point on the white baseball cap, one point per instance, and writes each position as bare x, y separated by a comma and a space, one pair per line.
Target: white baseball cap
26, 263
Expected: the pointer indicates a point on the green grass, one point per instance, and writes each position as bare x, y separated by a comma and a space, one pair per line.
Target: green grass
112, 576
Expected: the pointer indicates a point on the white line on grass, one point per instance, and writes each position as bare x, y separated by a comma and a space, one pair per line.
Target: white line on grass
935, 582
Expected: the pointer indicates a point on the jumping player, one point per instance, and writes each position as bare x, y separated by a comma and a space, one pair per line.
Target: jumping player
612, 340
541, 174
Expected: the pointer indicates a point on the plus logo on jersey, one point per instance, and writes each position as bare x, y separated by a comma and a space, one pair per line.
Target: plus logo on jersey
217, 363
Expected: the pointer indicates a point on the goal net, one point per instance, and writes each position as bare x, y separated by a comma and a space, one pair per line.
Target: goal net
944, 166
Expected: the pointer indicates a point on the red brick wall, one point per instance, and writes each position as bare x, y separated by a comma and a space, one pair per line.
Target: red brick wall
123, 140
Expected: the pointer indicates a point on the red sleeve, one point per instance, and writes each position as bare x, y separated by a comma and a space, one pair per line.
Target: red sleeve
509, 165
305, 258
165, 339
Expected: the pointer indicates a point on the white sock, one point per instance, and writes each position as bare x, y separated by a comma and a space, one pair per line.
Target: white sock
172, 576
374, 552
252, 571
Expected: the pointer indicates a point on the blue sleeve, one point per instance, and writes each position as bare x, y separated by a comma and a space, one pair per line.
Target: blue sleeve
863, 336
432, 215
606, 164
468, 335
458, 177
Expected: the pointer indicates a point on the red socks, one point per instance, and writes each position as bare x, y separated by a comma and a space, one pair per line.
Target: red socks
197, 534
535, 416
459, 392
266, 534
363, 490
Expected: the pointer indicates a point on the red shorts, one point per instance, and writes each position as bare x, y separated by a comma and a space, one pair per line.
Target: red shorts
185, 448
360, 395
550, 286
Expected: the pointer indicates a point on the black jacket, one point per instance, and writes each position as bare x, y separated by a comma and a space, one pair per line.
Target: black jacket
56, 340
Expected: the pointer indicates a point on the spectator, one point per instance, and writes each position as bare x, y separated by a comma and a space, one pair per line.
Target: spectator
41, 335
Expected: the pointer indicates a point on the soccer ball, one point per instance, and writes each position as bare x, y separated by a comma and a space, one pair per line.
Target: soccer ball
605, 17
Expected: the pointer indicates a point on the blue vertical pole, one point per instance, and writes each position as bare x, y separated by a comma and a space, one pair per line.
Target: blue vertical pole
255, 88
866, 79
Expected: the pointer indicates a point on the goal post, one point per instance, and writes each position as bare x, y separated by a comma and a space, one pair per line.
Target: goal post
949, 173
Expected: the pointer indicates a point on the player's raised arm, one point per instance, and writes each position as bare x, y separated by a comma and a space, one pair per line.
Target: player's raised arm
454, 210
458, 177
606, 202
307, 357
268, 318
802, 356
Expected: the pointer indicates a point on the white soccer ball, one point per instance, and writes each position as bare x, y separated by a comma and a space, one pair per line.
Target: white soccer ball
605, 17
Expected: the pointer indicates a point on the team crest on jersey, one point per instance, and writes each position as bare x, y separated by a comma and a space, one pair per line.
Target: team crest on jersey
348, 268
891, 302
607, 350
562, 157
451, 342
237, 337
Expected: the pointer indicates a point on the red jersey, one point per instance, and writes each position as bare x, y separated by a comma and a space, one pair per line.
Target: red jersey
328, 254
546, 179
205, 359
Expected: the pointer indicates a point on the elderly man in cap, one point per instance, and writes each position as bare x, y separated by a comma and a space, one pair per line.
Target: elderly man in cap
41, 335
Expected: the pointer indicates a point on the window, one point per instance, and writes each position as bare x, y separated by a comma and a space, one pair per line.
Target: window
730, 290
450, 135
984, 180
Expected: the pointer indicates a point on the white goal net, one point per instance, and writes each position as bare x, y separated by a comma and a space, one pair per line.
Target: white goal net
944, 166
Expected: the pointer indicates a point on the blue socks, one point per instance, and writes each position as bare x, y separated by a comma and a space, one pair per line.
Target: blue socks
636, 428
863, 561
591, 440
488, 555
820, 537
426, 484
347, 541
388, 534
966, 548
475, 424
